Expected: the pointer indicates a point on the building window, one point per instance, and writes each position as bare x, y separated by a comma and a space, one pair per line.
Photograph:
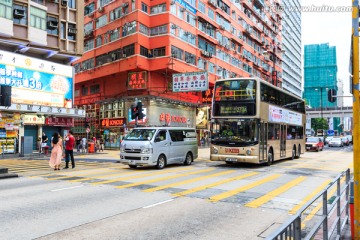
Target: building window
116, 13
163, 29
159, 52
144, 29
101, 21
144, 7
129, 50
177, 53
129, 28
88, 27
37, 18
98, 41
72, 36
144, 51
77, 92
202, 7
87, 64
94, 89
101, 59
52, 25
206, 46
115, 55
89, 8
19, 20
84, 91
158, 9
63, 30
88, 45
173, 9
6, 9
190, 58
77, 67
102, 3
114, 34
72, 4
211, 14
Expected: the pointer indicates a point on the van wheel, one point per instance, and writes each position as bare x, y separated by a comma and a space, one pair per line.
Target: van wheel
161, 162
188, 159
270, 158
133, 166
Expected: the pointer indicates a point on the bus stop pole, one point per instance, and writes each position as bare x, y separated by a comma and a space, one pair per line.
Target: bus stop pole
356, 127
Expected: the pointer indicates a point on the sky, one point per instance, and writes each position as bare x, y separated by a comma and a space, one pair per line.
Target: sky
333, 28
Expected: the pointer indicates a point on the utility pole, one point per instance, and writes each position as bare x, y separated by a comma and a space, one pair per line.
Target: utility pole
356, 105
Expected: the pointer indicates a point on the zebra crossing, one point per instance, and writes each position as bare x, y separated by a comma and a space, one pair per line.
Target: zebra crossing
253, 188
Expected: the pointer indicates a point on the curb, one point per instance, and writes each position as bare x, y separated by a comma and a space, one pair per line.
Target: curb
8, 175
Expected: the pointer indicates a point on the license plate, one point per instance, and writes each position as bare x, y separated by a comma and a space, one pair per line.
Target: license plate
308, 148
132, 162
231, 159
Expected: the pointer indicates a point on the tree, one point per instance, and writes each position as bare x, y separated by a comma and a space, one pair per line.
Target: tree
319, 123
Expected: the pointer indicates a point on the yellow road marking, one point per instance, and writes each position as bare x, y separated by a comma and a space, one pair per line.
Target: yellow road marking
187, 181
270, 195
140, 176
74, 172
243, 188
163, 178
200, 188
317, 208
309, 197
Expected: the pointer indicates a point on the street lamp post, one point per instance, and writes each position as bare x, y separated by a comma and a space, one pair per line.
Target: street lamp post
321, 100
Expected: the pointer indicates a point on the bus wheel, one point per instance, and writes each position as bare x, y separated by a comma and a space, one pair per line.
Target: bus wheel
270, 158
228, 162
132, 166
188, 159
299, 152
161, 162
293, 153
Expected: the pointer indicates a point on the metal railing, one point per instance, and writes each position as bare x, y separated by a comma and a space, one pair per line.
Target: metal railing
325, 221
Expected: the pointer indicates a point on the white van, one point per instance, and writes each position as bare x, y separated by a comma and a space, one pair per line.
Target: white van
159, 146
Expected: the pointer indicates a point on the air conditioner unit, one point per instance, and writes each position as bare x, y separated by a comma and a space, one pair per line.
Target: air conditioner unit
52, 25
64, 2
186, 33
173, 26
124, 55
212, 2
182, 9
72, 31
222, 27
19, 13
100, 9
172, 2
125, 4
54, 1
91, 14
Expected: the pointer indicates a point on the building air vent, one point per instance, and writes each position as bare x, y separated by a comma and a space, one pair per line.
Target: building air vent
72, 31
19, 13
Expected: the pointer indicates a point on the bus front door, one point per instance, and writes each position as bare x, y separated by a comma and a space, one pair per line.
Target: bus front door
263, 142
282, 140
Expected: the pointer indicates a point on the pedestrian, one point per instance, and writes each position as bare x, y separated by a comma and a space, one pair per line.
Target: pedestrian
69, 150
44, 140
78, 143
202, 141
101, 144
56, 152
83, 143
97, 144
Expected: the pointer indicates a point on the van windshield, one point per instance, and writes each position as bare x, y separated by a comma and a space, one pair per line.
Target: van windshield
140, 135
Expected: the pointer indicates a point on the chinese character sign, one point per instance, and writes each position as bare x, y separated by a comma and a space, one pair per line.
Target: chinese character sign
189, 82
137, 80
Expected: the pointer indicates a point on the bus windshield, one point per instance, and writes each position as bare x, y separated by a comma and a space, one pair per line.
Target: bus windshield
140, 135
241, 132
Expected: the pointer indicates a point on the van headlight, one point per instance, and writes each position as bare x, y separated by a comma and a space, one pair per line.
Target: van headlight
147, 150
215, 150
122, 149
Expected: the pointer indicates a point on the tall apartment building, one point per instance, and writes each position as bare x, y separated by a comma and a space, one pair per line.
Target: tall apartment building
38, 41
148, 41
291, 42
320, 74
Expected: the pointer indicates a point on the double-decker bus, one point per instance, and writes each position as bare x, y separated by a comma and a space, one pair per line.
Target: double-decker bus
256, 122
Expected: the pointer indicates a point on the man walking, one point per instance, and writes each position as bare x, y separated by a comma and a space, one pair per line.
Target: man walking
69, 149
44, 140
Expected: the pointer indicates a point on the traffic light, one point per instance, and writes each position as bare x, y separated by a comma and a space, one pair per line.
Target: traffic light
134, 111
332, 95
5, 96
139, 111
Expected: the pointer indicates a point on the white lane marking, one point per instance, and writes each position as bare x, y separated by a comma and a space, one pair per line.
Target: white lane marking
153, 205
60, 189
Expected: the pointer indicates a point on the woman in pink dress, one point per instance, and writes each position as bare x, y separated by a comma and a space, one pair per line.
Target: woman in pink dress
56, 152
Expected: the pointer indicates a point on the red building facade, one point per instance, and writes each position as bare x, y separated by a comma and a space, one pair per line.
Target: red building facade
132, 48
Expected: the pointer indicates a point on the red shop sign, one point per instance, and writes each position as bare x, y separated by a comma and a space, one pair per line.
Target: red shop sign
113, 122
59, 121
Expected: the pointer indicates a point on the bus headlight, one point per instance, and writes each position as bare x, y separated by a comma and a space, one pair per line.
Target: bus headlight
215, 150
146, 150
248, 152
122, 149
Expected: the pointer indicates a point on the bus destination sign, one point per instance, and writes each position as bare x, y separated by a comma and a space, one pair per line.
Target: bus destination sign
233, 110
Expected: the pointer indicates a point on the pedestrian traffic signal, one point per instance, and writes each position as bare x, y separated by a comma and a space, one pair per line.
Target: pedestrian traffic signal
139, 110
332, 95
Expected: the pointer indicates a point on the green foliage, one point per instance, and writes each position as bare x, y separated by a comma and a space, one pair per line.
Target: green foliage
319, 123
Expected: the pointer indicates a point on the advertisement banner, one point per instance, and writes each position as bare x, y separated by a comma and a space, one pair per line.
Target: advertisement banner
60, 121
35, 81
281, 115
137, 80
33, 119
202, 117
190, 82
